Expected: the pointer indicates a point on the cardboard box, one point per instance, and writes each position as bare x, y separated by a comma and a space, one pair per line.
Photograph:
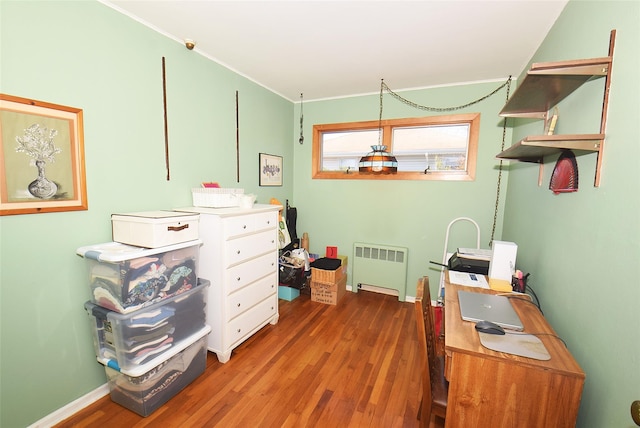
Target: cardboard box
329, 294
330, 276
153, 229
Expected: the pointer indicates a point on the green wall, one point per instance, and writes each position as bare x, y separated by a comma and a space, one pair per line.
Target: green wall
583, 248
412, 214
86, 55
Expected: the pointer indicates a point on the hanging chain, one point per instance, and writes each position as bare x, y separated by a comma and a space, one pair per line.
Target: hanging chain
504, 136
383, 86
301, 139
420, 107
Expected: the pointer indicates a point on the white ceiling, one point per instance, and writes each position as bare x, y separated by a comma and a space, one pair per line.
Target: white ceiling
328, 49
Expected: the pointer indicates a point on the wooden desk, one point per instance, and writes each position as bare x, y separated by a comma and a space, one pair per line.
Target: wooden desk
494, 389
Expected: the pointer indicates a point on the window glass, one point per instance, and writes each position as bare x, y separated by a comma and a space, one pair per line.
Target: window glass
428, 148
343, 149
436, 147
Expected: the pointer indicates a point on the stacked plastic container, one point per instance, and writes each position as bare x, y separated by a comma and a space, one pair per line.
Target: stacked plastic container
148, 307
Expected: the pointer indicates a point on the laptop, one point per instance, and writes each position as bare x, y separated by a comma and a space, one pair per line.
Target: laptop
488, 307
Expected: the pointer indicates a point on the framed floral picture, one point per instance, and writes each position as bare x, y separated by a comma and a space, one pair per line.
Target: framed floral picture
270, 170
41, 157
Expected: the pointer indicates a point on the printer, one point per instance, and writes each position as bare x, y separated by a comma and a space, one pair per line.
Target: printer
465, 263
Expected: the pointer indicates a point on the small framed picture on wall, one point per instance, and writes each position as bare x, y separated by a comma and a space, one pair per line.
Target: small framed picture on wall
270, 170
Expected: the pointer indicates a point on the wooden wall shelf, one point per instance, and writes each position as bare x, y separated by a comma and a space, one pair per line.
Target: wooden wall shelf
535, 148
544, 86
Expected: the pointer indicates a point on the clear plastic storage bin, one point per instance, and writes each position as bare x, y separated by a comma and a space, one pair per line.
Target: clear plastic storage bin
146, 389
125, 278
146, 336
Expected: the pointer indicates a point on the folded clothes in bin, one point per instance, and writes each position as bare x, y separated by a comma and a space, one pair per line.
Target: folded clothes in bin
149, 334
125, 278
147, 387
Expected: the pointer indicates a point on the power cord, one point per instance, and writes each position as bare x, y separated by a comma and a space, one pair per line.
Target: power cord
520, 296
535, 296
537, 305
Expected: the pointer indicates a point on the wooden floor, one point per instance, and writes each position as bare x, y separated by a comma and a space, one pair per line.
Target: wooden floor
350, 365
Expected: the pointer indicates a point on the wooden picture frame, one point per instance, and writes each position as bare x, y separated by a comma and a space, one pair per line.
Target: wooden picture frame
41, 157
270, 170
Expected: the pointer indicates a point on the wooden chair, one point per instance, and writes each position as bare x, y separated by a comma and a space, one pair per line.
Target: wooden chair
434, 385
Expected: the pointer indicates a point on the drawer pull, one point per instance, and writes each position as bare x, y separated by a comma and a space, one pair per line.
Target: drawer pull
177, 228
238, 304
244, 226
238, 279
239, 330
238, 252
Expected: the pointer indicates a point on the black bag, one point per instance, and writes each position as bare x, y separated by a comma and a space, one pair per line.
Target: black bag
291, 219
291, 271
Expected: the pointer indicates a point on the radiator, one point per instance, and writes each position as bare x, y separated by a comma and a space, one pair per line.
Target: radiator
380, 268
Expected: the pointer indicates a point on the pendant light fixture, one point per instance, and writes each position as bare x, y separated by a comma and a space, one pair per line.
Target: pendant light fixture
378, 161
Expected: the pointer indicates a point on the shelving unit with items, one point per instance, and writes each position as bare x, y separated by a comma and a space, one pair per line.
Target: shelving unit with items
544, 86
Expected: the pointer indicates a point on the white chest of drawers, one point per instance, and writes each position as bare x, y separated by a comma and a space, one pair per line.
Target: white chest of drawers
239, 256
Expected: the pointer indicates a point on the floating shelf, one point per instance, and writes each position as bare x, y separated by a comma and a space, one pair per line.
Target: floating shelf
544, 86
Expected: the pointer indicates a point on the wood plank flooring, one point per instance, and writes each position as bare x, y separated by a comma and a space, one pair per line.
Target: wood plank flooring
350, 365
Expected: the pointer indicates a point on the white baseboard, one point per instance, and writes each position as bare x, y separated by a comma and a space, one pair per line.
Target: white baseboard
381, 290
72, 408
375, 289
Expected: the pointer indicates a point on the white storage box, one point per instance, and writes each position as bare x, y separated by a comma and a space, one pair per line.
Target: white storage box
149, 387
215, 197
125, 278
153, 229
126, 341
